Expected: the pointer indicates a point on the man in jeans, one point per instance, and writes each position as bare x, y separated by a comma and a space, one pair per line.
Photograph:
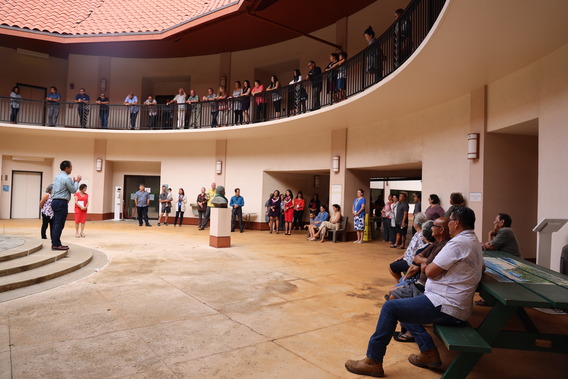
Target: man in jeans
63, 187
453, 277
237, 203
142, 200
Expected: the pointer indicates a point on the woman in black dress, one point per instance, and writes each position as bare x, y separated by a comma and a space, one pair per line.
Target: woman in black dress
273, 211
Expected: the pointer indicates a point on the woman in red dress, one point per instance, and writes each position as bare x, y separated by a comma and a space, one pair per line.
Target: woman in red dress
81, 204
288, 212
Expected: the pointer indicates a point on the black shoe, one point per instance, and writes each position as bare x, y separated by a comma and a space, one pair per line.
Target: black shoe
242, 231
158, 224
165, 224
147, 225
65, 248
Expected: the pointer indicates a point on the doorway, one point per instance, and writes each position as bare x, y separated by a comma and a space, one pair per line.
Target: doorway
26, 194
131, 184
34, 111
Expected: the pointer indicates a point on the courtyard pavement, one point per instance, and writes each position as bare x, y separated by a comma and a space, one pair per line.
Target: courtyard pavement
272, 306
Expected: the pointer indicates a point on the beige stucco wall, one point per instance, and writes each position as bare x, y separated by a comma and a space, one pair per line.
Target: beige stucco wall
54, 150
539, 91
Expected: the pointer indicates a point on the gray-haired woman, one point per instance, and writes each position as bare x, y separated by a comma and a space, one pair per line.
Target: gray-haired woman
416, 243
46, 212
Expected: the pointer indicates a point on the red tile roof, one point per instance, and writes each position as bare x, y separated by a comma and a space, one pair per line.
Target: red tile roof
95, 17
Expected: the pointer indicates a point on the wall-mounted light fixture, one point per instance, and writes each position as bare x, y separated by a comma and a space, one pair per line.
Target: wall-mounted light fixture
219, 167
316, 181
99, 164
335, 164
103, 85
473, 146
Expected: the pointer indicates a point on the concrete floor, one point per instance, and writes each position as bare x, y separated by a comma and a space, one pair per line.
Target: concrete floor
272, 306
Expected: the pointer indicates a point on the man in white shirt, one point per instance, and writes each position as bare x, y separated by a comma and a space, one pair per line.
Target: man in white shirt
453, 277
180, 100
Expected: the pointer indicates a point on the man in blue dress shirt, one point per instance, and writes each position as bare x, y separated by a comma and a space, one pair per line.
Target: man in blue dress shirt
63, 187
237, 203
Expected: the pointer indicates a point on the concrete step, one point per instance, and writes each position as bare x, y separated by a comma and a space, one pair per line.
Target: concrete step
76, 258
29, 262
22, 247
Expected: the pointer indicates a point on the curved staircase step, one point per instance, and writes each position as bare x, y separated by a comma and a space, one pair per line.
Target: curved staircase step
29, 246
30, 262
76, 258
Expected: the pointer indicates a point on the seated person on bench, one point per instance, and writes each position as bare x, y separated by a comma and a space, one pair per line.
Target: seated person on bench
321, 217
453, 277
332, 224
502, 237
439, 232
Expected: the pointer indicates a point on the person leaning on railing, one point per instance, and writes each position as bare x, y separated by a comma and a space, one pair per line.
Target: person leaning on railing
245, 96
258, 94
53, 98
237, 103
132, 102
211, 96
151, 104
195, 118
83, 109
103, 102
15, 100
222, 106
274, 88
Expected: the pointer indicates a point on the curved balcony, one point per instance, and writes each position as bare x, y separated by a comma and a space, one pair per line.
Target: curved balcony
369, 67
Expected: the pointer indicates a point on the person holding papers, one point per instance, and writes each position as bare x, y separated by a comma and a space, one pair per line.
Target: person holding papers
81, 203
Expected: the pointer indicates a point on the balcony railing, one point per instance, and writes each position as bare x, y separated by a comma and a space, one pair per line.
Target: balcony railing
367, 68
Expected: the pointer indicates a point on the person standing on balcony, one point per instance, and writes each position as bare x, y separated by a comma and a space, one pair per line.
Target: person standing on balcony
179, 99
222, 106
193, 101
341, 87
15, 100
211, 96
245, 94
297, 94
373, 55
237, 103
274, 88
402, 43
132, 102
103, 102
53, 99
151, 104
314, 75
331, 74
260, 101
83, 100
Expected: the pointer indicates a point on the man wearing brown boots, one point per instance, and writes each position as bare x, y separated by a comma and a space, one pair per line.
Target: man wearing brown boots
453, 277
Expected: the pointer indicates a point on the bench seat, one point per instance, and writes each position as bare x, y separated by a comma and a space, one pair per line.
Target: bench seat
462, 338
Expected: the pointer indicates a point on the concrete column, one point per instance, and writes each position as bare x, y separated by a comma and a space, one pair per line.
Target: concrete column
97, 186
337, 179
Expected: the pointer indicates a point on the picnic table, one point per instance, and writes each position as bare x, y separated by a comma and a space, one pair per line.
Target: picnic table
509, 284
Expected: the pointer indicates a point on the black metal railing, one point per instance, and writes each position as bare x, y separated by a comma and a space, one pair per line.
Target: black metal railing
367, 68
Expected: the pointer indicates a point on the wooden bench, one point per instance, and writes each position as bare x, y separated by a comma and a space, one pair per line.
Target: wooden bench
468, 342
